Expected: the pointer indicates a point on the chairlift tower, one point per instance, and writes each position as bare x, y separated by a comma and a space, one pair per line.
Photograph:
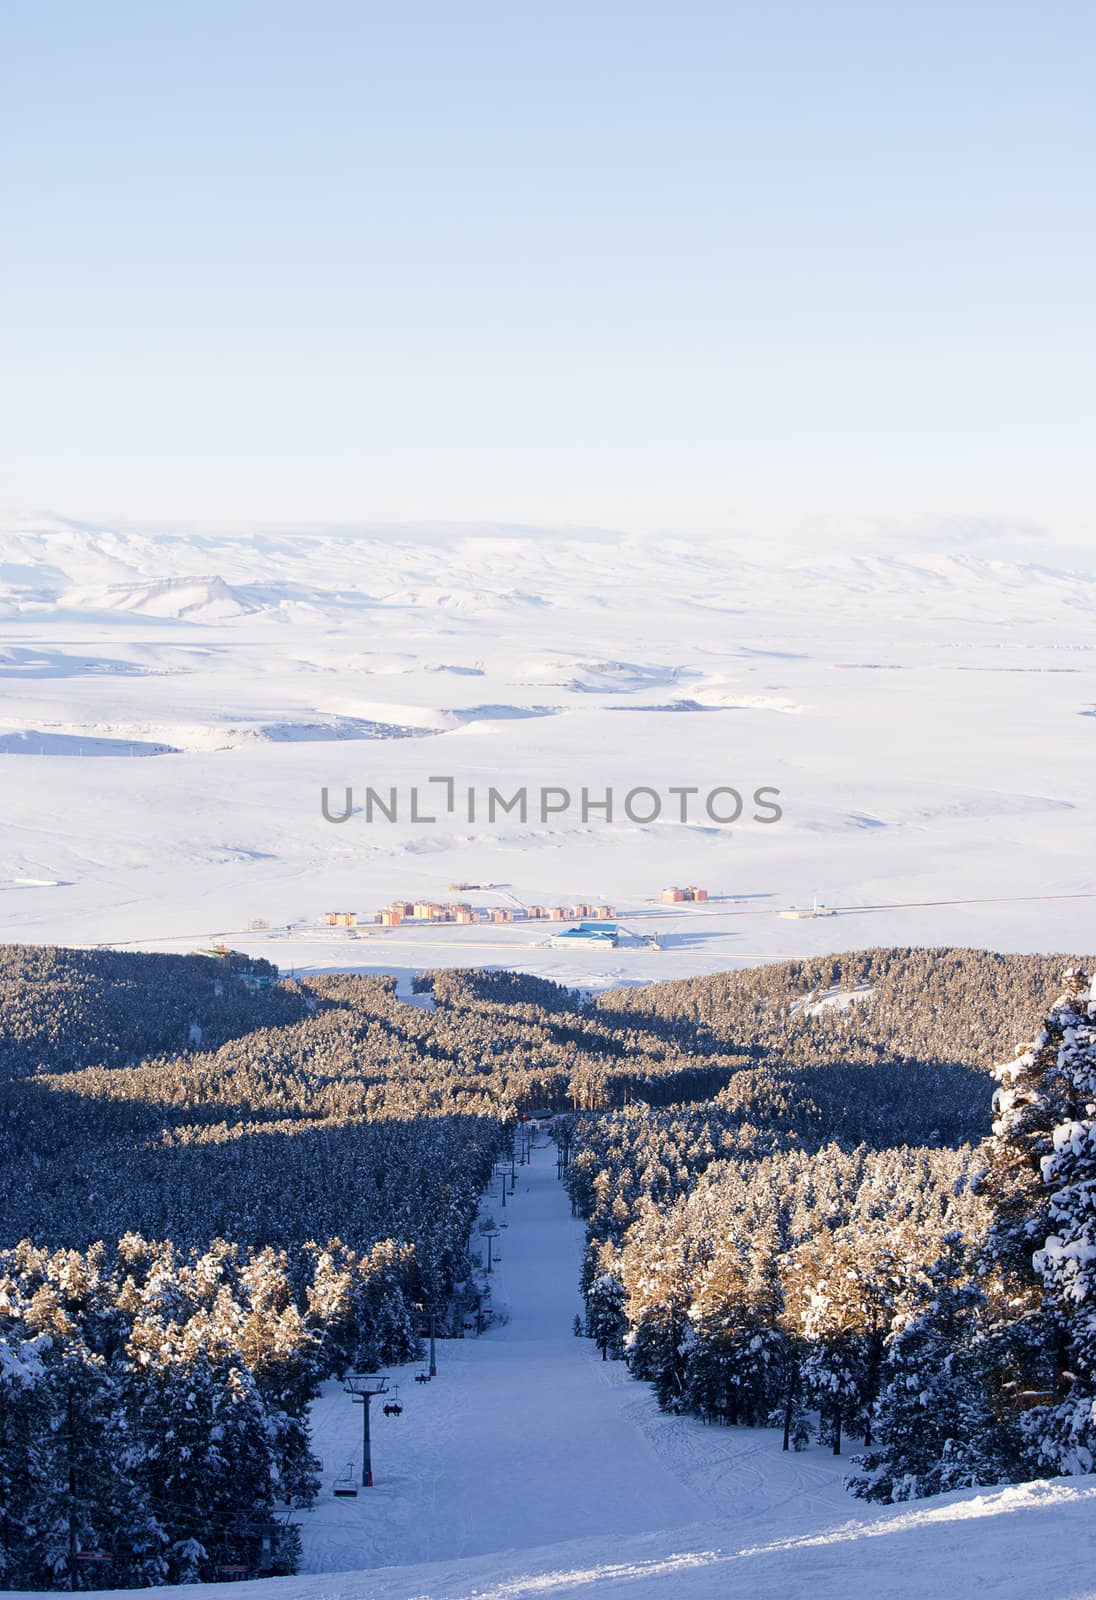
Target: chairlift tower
362, 1387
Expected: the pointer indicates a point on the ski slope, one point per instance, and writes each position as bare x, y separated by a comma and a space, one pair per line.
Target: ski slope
509, 1446
529, 1468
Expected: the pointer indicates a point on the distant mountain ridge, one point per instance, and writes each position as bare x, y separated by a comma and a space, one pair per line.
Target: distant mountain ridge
183, 599
54, 563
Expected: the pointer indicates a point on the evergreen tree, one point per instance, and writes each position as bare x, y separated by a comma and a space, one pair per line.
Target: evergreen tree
847, 1313
736, 1349
935, 1425
1062, 1434
26, 1467
605, 1314
1037, 1099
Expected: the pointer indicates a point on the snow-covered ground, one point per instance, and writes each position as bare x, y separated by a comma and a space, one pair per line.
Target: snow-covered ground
528, 1467
927, 718
526, 1436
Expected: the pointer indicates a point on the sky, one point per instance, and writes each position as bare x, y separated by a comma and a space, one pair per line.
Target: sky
709, 267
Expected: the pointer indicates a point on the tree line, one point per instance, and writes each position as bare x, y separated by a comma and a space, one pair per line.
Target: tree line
213, 1194
932, 1300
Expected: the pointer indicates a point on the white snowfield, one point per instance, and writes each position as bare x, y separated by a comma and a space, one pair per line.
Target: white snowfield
927, 718
529, 1468
1005, 1544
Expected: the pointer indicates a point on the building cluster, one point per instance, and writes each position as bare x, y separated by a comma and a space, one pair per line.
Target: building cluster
461, 912
674, 895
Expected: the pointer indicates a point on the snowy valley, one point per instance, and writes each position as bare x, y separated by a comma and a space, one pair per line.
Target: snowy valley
173, 705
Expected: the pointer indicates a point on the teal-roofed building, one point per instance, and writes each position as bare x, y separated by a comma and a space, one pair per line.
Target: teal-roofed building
603, 934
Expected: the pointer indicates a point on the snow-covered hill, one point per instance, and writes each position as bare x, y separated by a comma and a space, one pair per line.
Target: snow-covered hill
189, 599
468, 572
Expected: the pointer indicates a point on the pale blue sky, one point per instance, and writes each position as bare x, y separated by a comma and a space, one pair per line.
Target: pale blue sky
707, 266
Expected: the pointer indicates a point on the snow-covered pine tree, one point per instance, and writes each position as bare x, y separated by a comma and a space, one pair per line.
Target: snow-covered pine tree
1037, 1095
326, 1289
605, 1314
25, 1458
1062, 1434
737, 1356
846, 1315
934, 1423
209, 1455
657, 1305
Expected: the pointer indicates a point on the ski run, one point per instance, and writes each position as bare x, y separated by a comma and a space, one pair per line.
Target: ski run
529, 1467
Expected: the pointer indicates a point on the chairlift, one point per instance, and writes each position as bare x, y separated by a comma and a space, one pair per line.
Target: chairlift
394, 1406
422, 1377
344, 1487
133, 1546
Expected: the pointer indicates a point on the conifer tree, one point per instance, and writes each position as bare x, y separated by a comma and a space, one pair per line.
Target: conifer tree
1040, 1094
605, 1314
26, 1473
1062, 1434
935, 1426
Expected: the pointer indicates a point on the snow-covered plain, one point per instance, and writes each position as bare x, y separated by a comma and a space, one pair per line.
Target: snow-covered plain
528, 1467
927, 719
929, 722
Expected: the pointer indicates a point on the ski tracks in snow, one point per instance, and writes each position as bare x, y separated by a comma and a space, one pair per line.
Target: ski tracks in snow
526, 1438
